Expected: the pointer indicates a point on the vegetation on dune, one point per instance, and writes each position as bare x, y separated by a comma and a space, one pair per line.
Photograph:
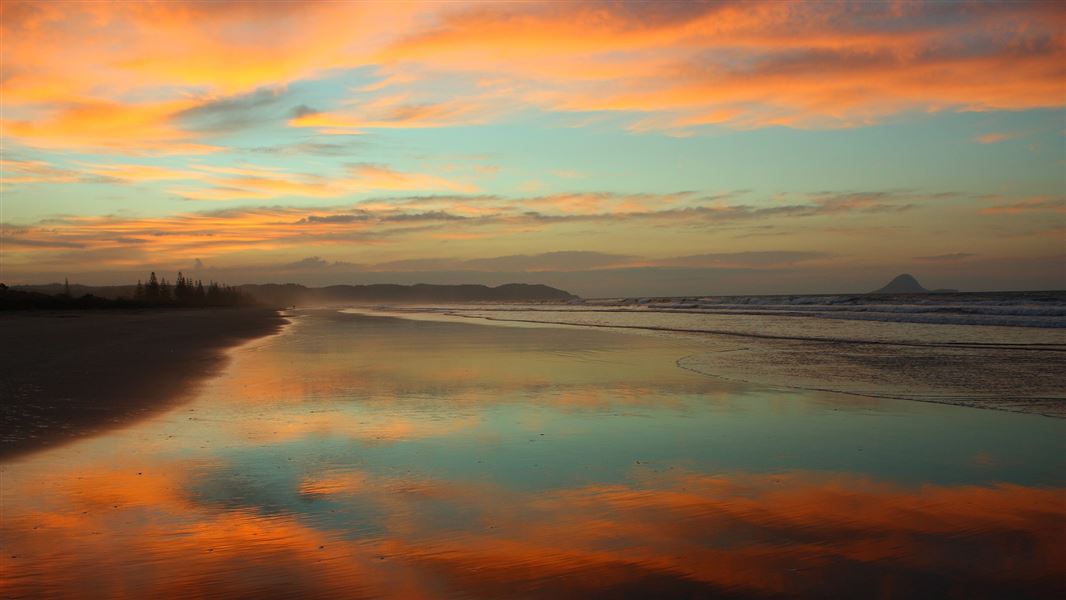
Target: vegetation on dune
184, 292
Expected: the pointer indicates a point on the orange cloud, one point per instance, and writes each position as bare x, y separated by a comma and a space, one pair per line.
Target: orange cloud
600, 203
225, 47
127, 241
994, 138
1036, 204
396, 112
260, 183
107, 126
397, 234
120, 72
752, 65
135, 172
377, 177
34, 171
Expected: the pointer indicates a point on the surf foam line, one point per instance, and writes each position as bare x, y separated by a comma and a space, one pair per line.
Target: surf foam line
1038, 318
1038, 346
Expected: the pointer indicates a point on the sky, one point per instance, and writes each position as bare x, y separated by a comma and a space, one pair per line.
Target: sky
608, 148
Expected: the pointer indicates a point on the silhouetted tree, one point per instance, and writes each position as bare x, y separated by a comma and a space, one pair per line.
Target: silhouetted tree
66, 288
151, 291
186, 292
182, 288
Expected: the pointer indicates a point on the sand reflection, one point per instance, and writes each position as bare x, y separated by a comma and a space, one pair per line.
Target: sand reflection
374, 359
152, 535
329, 463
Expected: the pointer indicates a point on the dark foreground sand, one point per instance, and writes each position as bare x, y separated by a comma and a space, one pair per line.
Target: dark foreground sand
65, 375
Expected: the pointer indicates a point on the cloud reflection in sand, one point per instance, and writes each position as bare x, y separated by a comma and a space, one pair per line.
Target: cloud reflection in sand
749, 534
493, 462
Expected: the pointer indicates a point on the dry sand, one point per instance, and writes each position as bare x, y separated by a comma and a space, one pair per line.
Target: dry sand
65, 375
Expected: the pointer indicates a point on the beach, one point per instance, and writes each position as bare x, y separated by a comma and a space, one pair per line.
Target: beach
70, 374
365, 456
574, 300
1000, 351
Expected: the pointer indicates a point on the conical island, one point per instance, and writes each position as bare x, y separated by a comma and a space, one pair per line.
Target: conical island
902, 284
907, 284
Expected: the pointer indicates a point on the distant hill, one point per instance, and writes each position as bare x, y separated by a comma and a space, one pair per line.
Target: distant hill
907, 284
291, 294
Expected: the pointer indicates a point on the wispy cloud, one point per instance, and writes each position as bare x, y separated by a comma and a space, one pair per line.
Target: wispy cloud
395, 112
237, 183
566, 260
1036, 204
950, 257
760, 258
15, 171
380, 177
222, 114
140, 172
414, 220
996, 137
313, 148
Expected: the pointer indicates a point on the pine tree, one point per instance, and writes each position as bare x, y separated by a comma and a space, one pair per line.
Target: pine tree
151, 291
164, 289
180, 288
138, 292
66, 287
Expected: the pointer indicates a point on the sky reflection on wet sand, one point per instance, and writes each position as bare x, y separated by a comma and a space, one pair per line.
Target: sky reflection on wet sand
361, 457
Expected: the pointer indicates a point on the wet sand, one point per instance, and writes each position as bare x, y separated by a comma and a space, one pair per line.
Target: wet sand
367, 457
1014, 369
66, 375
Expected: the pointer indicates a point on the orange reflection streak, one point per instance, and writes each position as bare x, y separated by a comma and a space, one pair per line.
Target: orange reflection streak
780, 533
481, 367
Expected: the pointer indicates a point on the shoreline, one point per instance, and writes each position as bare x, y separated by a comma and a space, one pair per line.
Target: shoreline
867, 362
67, 375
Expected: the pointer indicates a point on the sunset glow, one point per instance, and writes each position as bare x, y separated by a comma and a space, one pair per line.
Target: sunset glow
750, 147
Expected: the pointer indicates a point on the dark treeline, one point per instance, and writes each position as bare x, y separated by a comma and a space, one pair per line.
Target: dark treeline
184, 292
